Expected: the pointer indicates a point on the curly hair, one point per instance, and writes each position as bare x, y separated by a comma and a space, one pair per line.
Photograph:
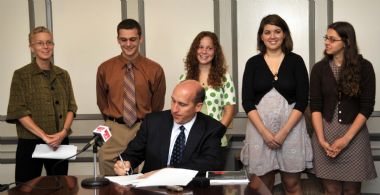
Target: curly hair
349, 81
218, 64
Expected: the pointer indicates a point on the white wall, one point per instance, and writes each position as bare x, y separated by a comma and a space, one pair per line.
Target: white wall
14, 52
364, 17
85, 36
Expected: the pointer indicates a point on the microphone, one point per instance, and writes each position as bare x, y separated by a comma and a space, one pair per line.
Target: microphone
101, 135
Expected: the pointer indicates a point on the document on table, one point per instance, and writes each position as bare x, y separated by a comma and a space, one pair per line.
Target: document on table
125, 180
163, 177
62, 152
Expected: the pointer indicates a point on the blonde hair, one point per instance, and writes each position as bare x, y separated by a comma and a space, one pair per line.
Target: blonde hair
38, 29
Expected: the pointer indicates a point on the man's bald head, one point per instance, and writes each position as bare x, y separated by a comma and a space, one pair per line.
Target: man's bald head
187, 100
194, 88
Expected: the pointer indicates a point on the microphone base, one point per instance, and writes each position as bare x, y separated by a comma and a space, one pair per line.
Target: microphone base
95, 182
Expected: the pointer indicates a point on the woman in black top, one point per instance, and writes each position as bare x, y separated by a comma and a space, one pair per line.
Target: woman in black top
342, 97
275, 95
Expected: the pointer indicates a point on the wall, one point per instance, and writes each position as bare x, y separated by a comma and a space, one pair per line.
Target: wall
85, 35
83, 41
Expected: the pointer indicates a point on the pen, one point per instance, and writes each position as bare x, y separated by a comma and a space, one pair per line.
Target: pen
122, 161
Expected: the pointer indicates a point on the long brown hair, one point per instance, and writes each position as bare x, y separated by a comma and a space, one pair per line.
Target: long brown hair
349, 81
218, 64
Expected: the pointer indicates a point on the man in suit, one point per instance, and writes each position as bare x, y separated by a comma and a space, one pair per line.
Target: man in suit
156, 139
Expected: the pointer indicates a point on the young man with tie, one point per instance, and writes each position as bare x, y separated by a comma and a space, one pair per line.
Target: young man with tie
128, 87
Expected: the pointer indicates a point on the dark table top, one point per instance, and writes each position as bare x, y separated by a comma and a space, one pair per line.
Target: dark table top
71, 185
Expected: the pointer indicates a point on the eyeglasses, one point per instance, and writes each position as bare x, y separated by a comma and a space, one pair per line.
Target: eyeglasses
42, 44
331, 39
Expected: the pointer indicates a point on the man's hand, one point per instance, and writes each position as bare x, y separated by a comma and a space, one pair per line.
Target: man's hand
122, 168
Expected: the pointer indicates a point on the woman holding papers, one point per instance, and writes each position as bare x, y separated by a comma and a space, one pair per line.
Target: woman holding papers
275, 95
42, 106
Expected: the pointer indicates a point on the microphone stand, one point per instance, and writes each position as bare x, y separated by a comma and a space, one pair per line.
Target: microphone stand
95, 181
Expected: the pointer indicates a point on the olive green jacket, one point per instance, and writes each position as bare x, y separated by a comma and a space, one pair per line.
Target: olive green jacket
46, 99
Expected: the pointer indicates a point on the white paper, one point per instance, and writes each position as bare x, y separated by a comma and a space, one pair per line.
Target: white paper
168, 177
228, 182
125, 180
163, 177
62, 152
227, 177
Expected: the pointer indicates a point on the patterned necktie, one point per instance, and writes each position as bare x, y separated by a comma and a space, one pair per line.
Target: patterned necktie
129, 114
179, 147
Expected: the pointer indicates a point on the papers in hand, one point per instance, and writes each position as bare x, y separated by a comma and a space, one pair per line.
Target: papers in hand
62, 152
163, 177
227, 177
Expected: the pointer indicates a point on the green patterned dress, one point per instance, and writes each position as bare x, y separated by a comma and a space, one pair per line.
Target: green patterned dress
217, 98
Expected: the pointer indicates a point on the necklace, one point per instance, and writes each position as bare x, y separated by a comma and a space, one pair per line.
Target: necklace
275, 76
274, 64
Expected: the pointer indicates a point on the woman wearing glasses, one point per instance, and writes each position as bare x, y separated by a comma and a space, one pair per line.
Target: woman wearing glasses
342, 98
42, 106
275, 95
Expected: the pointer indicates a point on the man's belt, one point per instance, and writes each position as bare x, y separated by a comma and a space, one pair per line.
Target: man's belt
120, 120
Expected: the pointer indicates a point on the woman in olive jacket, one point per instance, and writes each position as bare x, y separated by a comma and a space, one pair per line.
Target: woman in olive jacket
42, 105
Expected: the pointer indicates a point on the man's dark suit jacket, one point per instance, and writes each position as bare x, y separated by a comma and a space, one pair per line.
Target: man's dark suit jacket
202, 152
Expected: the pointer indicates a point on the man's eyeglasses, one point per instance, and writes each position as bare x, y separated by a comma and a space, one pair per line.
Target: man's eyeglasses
331, 39
42, 44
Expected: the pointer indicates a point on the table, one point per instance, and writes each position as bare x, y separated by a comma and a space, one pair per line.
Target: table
71, 185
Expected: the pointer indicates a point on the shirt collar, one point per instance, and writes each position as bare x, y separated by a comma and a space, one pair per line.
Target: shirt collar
135, 61
187, 125
37, 70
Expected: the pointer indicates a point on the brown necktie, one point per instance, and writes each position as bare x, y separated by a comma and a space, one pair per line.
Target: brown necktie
129, 113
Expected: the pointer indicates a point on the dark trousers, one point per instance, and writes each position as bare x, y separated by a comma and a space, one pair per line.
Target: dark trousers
28, 168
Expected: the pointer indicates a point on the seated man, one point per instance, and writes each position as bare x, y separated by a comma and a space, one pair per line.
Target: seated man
198, 135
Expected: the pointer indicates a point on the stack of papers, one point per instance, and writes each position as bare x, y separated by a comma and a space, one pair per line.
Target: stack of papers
227, 177
163, 177
63, 152
126, 180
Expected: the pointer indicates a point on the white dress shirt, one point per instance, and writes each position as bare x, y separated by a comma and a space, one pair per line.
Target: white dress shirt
176, 131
